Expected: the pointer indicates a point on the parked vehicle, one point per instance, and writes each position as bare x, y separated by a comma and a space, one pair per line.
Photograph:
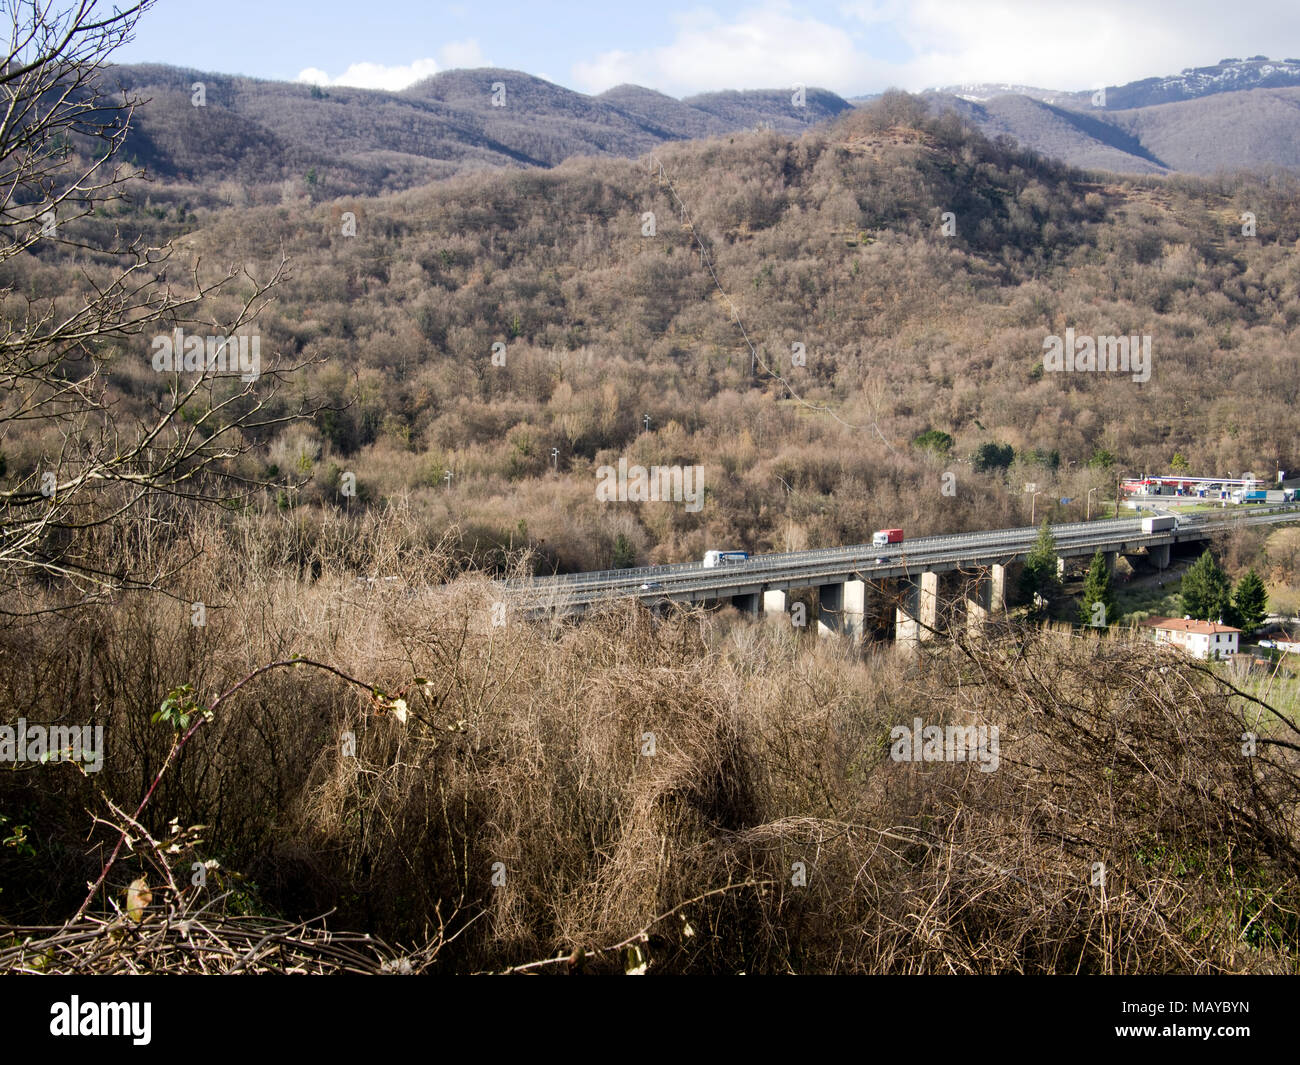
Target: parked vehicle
884, 537
1159, 524
1250, 495
724, 558
651, 586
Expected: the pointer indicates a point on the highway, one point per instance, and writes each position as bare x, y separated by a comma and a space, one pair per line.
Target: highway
693, 581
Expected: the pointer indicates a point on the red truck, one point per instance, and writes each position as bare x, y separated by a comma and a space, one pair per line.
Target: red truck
883, 537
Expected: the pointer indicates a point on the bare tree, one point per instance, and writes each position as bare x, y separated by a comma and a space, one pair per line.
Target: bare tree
61, 139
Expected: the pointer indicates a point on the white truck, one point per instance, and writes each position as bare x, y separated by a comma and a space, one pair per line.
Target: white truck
1159, 524
724, 558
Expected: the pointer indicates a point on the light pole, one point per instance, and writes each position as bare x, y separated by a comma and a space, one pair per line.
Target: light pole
1033, 507
447, 477
647, 423
555, 459
1088, 514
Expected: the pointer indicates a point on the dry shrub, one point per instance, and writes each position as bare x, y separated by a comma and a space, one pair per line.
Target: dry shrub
526, 745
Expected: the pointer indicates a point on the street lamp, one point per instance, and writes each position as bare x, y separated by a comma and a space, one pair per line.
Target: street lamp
448, 480
647, 423
1088, 514
555, 458
1033, 507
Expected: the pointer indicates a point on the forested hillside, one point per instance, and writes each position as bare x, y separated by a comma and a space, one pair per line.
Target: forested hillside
833, 241
247, 140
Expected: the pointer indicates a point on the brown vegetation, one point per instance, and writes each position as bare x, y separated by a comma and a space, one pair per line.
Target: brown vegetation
526, 746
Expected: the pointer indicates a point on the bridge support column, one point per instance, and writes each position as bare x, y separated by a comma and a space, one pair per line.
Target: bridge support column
909, 630
997, 589
747, 603
841, 608
989, 598
1159, 555
1111, 558
774, 600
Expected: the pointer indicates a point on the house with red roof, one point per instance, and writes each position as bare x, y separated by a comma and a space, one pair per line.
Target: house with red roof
1202, 639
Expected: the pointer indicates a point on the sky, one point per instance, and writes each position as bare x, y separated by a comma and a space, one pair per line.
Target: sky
854, 47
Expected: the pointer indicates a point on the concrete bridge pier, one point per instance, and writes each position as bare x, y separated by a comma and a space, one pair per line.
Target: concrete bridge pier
774, 600
841, 608
1159, 554
917, 623
748, 603
990, 598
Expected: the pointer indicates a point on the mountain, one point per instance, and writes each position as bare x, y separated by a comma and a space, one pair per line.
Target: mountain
1256, 128
348, 141
1236, 114
344, 141
1082, 139
985, 91
1194, 83
1228, 75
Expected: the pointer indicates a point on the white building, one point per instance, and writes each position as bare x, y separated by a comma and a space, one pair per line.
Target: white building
1202, 639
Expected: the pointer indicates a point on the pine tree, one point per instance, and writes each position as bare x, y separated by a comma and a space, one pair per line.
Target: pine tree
1250, 601
1039, 577
1097, 591
624, 552
1207, 591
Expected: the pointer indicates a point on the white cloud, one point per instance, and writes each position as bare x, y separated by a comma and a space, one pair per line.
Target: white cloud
374, 75
1027, 42
765, 48
868, 45
462, 54
394, 78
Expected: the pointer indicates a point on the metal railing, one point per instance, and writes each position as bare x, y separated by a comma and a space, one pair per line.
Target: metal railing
837, 562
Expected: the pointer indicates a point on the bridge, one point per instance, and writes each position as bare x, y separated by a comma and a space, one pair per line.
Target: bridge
853, 582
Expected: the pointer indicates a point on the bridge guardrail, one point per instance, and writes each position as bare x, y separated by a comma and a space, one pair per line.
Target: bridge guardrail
784, 565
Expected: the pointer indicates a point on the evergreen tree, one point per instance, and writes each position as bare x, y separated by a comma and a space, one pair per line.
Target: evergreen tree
1207, 592
624, 552
935, 440
1097, 591
1039, 576
992, 457
1250, 601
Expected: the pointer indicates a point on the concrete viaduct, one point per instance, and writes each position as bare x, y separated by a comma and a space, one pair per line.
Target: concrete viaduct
913, 579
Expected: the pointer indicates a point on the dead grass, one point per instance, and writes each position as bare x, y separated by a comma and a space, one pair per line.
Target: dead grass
517, 817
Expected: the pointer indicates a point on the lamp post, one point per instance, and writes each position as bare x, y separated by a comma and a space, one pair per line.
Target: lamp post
1088, 513
1033, 507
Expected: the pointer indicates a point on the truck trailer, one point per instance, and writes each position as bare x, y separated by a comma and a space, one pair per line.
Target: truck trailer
885, 537
1159, 524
